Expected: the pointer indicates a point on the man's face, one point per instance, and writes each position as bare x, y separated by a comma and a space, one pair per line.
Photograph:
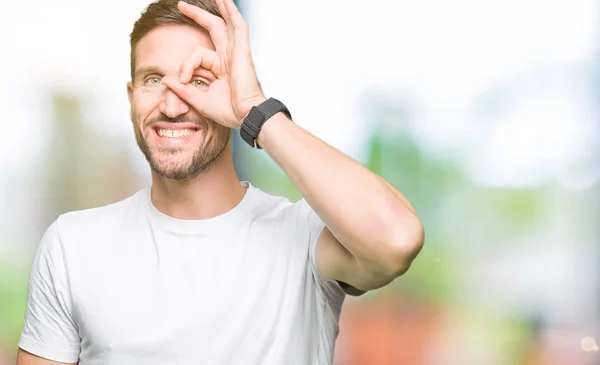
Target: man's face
177, 141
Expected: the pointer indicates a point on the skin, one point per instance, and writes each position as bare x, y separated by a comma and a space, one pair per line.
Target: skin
154, 106
206, 81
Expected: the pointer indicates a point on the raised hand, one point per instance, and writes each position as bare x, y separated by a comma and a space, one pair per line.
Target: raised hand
236, 90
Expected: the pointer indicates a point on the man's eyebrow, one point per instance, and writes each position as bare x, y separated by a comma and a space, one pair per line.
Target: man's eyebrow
146, 70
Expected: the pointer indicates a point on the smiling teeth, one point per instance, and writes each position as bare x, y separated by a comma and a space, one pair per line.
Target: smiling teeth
175, 133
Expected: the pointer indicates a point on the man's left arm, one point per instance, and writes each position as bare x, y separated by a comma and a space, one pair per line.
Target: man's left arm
372, 232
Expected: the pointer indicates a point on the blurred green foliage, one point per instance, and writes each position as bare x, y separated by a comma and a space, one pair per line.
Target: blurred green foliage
13, 298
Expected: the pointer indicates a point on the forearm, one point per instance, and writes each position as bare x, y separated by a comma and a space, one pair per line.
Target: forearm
366, 214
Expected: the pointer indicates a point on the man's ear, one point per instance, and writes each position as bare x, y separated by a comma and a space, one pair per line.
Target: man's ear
130, 97
130, 91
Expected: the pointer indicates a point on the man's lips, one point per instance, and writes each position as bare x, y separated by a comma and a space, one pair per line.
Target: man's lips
174, 132
175, 126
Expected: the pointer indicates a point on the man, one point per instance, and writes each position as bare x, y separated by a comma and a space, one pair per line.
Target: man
202, 268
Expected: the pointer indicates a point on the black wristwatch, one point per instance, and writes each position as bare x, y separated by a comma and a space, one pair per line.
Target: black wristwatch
257, 116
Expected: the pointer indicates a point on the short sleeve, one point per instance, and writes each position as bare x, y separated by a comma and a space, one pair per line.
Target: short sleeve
49, 330
330, 289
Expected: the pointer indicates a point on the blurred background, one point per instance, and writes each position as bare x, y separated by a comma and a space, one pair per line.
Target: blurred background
485, 114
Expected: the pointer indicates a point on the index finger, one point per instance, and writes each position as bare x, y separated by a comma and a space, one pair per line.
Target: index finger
210, 22
201, 57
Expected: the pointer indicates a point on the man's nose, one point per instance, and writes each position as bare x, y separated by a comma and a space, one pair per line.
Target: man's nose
172, 105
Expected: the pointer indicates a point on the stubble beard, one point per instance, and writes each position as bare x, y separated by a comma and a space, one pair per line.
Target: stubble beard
202, 160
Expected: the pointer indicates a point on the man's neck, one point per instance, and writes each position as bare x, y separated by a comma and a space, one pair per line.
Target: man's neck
209, 195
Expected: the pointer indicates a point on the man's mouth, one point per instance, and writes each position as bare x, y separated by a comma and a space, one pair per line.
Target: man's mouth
175, 133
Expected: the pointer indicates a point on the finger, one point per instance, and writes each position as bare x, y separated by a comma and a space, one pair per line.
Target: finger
223, 10
201, 57
234, 13
239, 26
228, 23
188, 93
210, 22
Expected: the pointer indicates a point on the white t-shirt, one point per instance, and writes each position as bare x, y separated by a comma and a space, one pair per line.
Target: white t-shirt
126, 284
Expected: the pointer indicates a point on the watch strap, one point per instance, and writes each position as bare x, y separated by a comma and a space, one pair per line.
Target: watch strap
257, 116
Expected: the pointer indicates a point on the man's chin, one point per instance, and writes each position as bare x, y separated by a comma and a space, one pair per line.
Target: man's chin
171, 165
180, 163
166, 152
182, 174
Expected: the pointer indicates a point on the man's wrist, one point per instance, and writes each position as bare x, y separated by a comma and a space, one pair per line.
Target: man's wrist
258, 115
273, 128
249, 104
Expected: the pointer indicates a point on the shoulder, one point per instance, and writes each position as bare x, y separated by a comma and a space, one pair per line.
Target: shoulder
99, 220
295, 217
279, 207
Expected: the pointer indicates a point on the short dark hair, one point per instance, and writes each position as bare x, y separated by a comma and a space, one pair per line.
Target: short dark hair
161, 13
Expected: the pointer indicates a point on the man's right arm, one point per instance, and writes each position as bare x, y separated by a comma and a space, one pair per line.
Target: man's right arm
25, 358
50, 334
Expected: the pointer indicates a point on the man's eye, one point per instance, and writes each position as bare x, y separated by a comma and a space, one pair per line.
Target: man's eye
153, 80
199, 83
